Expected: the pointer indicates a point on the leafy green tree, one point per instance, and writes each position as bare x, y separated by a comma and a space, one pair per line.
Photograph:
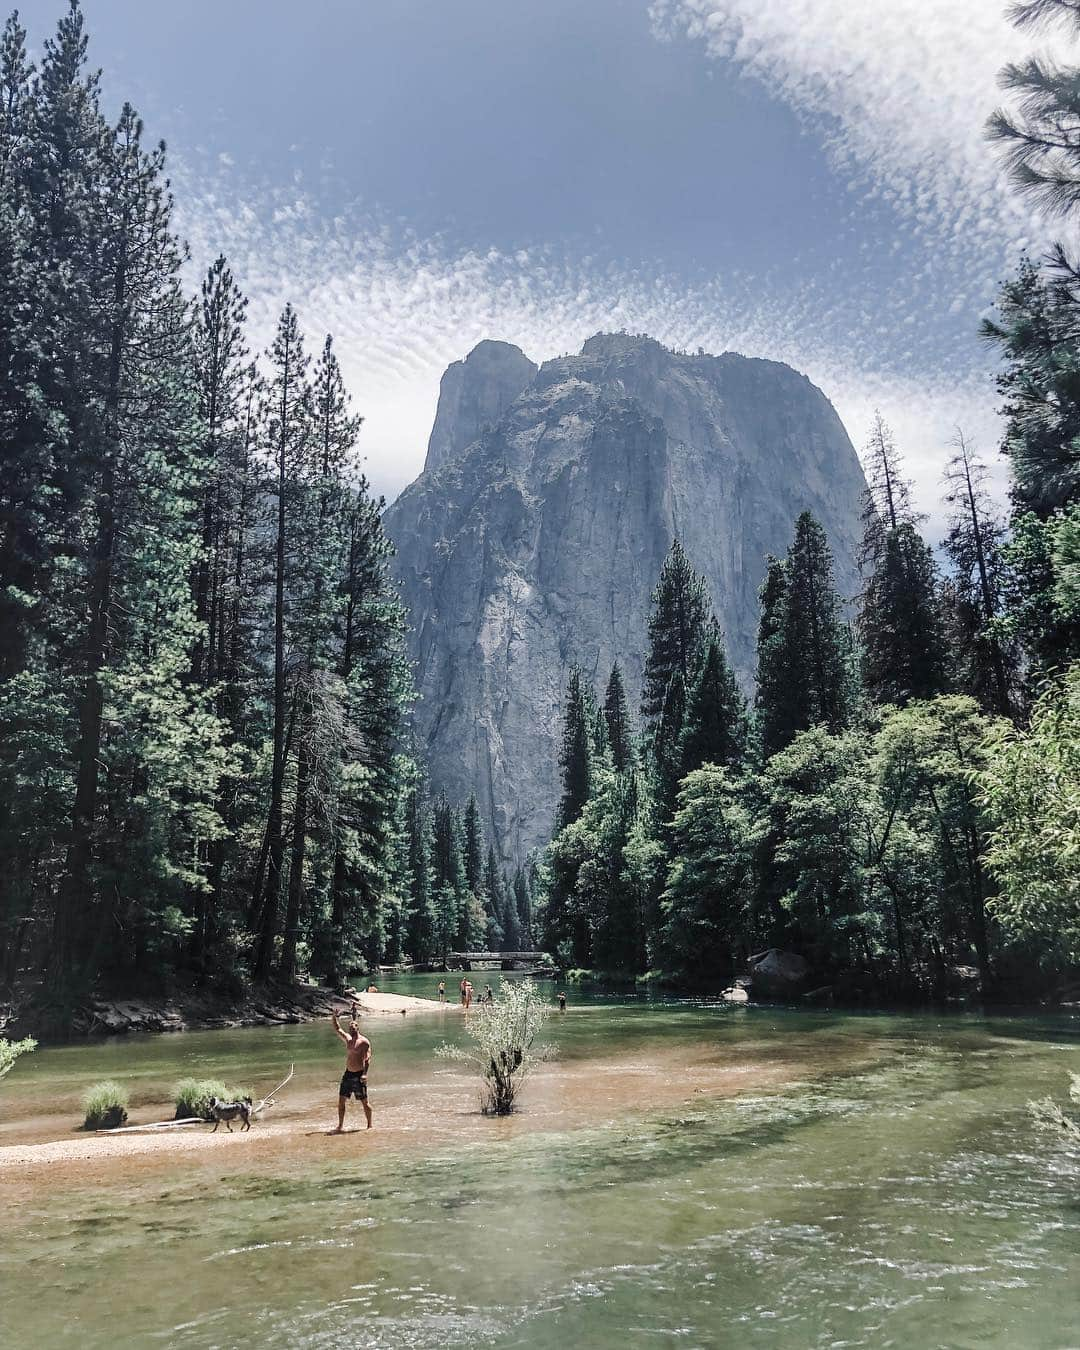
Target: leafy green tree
705, 907
1029, 787
810, 836
944, 743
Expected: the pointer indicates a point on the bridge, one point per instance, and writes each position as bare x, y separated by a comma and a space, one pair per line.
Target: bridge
499, 960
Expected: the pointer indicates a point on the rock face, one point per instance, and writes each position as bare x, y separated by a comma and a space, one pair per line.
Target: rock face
473, 395
536, 544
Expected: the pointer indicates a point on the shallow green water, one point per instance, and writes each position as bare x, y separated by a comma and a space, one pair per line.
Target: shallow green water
894, 1195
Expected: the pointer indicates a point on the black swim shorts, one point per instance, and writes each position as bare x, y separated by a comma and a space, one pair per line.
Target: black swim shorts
353, 1085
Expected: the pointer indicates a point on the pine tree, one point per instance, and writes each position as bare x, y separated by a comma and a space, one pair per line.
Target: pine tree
324, 523
900, 622
1041, 139
887, 502
448, 873
473, 846
678, 627
289, 434
984, 660
715, 726
575, 759
502, 928
620, 735
776, 700
523, 907
420, 938
803, 645
667, 749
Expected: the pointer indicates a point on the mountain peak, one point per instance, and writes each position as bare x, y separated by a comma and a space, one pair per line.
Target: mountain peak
474, 394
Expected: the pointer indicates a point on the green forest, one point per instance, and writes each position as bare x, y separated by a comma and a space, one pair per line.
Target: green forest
207, 774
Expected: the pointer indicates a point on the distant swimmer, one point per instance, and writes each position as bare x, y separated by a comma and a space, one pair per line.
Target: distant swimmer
464, 986
373, 988
562, 1002
357, 1063
442, 991
489, 996
468, 995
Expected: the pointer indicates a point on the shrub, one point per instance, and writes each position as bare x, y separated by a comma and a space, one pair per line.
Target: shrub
503, 1049
105, 1105
193, 1096
10, 1052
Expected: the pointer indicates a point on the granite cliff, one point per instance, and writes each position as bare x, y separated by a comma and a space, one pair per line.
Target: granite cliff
535, 534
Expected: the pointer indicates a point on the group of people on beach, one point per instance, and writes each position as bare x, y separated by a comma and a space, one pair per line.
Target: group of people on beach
358, 1049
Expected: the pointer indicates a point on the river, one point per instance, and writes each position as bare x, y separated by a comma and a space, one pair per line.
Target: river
682, 1173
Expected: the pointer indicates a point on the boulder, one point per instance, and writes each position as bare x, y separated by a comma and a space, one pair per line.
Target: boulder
777, 974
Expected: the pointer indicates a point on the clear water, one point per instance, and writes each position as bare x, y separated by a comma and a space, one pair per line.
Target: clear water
682, 1174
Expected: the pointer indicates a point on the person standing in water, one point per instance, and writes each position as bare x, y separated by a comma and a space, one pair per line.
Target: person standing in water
357, 1063
464, 986
442, 991
562, 1002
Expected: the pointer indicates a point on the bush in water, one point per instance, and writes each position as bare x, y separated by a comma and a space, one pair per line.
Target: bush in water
193, 1096
105, 1105
503, 1049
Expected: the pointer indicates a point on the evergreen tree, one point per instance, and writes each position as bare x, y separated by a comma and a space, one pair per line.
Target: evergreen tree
620, 735
678, 628
473, 847
502, 928
985, 661
575, 759
715, 727
448, 874
523, 907
420, 938
900, 622
1041, 139
803, 644
776, 700
667, 749
289, 435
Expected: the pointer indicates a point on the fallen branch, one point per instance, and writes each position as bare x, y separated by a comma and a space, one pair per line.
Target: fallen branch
268, 1100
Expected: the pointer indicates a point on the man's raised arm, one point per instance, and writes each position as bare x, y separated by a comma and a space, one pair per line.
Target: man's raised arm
337, 1028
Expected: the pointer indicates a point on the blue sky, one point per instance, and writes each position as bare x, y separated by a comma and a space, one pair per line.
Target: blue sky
799, 179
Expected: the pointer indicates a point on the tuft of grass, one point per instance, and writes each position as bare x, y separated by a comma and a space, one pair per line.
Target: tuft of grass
105, 1105
193, 1096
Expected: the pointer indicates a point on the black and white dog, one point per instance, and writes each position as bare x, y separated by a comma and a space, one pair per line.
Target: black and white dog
229, 1111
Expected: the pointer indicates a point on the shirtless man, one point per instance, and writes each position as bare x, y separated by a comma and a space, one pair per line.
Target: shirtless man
357, 1062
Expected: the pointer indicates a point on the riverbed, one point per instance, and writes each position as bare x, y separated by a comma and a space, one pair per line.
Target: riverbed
681, 1173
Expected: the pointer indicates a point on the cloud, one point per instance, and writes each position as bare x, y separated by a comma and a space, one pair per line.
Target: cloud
899, 91
401, 308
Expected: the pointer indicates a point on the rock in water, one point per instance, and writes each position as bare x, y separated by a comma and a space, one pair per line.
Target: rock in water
536, 543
